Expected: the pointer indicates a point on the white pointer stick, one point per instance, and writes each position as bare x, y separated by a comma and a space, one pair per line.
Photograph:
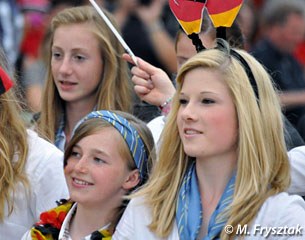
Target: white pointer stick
119, 37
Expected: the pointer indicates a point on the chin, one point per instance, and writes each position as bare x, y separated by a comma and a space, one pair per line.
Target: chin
192, 155
192, 152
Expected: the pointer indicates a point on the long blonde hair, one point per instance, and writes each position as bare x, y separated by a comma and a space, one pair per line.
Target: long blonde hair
262, 164
13, 147
114, 91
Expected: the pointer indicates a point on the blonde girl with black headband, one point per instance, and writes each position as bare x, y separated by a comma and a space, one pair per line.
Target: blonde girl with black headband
109, 155
223, 162
31, 176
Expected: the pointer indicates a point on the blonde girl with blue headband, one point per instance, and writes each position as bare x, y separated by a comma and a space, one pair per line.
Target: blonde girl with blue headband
110, 155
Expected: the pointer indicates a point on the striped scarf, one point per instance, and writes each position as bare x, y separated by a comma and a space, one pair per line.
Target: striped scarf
189, 211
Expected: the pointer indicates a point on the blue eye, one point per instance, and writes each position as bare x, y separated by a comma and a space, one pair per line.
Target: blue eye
56, 55
207, 101
79, 58
99, 160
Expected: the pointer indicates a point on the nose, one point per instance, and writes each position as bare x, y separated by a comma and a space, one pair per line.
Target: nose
65, 66
81, 166
188, 112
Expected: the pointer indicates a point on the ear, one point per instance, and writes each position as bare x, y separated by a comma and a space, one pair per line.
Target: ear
132, 180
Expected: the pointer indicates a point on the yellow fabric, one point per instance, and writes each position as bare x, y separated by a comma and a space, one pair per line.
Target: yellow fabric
225, 19
191, 27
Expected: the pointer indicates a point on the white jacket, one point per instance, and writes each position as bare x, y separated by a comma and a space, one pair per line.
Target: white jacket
44, 168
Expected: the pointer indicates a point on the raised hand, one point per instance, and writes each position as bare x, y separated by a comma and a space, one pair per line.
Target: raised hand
151, 84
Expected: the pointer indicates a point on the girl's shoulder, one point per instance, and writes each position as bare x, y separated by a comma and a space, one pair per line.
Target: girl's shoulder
282, 209
135, 222
41, 150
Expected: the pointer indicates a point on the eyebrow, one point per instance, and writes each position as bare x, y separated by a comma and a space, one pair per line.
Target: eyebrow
94, 150
204, 92
73, 49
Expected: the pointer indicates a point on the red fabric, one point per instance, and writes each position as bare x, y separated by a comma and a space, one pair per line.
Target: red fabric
5, 82
219, 6
31, 42
300, 53
34, 25
187, 11
258, 3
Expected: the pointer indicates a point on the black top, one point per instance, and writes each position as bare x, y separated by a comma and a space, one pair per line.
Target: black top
286, 71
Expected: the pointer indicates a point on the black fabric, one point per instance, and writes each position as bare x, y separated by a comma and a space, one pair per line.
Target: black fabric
145, 111
292, 137
248, 72
2, 88
196, 42
285, 70
137, 38
221, 32
287, 74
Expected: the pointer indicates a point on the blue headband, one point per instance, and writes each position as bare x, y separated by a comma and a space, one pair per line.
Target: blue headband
130, 135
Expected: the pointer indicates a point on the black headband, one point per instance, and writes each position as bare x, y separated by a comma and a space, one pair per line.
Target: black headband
249, 73
237, 56
196, 42
221, 36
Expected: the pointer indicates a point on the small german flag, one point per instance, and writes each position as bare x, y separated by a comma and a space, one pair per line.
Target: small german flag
223, 12
5, 82
188, 13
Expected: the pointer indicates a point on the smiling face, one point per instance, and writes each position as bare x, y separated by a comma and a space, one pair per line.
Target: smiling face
96, 172
76, 62
206, 118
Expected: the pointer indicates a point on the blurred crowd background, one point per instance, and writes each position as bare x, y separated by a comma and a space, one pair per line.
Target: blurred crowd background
24, 37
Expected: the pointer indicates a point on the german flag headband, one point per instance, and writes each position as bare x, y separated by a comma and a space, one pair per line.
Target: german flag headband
5, 82
189, 14
222, 13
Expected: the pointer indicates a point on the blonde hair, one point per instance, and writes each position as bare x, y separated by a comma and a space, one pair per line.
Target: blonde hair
262, 164
94, 125
13, 147
114, 91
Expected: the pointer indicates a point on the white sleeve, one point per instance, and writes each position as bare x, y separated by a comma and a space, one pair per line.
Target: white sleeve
135, 221
126, 228
47, 175
292, 216
279, 212
292, 212
50, 184
156, 126
297, 165
27, 236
